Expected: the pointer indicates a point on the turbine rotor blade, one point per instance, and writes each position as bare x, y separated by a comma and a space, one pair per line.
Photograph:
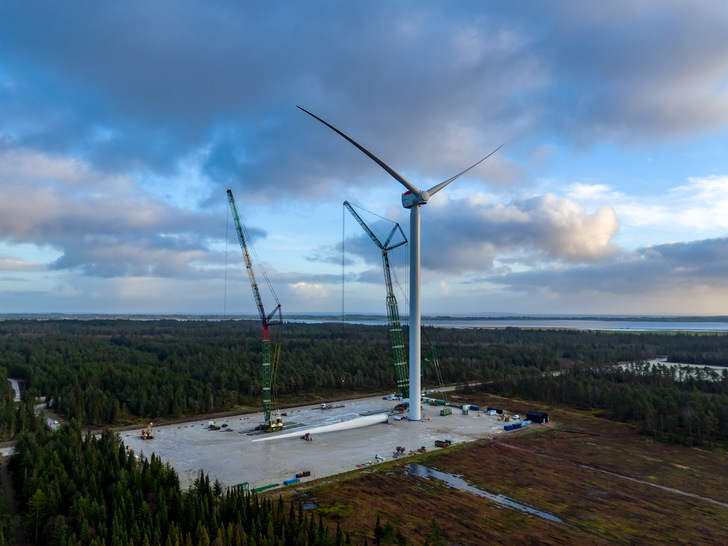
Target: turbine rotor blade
433, 190
394, 174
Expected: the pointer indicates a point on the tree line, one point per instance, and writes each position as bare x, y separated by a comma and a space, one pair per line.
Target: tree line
678, 404
120, 371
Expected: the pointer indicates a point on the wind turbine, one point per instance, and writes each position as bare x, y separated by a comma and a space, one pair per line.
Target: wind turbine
412, 199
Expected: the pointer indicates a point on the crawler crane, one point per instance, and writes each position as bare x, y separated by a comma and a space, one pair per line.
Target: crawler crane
395, 327
269, 424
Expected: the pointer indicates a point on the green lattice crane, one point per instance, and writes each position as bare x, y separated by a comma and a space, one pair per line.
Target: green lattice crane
395, 327
431, 360
269, 368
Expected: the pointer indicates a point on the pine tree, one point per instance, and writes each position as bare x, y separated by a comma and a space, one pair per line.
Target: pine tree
203, 539
388, 533
433, 537
378, 532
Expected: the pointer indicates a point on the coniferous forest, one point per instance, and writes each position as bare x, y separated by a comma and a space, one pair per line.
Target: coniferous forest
111, 372
74, 489
81, 489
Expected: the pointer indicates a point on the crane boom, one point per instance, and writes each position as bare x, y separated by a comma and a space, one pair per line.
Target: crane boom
246, 256
269, 423
395, 326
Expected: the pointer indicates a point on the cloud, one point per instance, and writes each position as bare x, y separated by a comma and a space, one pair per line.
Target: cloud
121, 127
592, 192
465, 235
103, 225
469, 235
655, 270
11, 263
433, 90
700, 204
66, 291
429, 88
656, 79
329, 255
703, 202
107, 257
309, 292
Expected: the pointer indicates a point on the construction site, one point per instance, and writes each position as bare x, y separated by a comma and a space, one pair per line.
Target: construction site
232, 452
273, 449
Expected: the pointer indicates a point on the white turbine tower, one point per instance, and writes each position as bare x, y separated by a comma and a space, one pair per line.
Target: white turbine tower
412, 199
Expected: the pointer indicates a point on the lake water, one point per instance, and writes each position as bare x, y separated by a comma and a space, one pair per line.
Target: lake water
621, 325
611, 323
664, 362
458, 482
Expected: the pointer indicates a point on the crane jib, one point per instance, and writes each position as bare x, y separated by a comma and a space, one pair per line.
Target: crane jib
395, 327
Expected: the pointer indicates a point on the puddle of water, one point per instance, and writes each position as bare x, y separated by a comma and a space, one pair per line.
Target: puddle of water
457, 482
306, 502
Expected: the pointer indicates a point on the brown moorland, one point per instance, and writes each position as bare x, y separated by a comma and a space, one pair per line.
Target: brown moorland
605, 482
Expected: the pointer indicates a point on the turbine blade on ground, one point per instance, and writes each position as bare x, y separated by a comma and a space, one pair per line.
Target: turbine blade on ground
359, 422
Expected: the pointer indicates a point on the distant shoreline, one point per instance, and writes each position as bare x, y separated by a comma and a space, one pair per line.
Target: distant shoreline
361, 317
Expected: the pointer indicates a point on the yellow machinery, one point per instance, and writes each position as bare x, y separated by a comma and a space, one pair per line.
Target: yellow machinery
147, 433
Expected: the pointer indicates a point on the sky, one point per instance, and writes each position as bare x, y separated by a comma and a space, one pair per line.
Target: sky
122, 125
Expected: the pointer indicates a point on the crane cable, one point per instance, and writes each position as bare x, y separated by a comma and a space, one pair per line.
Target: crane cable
343, 262
251, 248
258, 262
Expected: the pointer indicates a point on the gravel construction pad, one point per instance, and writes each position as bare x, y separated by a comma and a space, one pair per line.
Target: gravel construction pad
230, 455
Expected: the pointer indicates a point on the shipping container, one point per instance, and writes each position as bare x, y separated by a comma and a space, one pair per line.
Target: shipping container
263, 488
291, 481
537, 417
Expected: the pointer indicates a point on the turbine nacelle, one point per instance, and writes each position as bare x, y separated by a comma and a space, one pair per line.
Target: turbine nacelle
410, 199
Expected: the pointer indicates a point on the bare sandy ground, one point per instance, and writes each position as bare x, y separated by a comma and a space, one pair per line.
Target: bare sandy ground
230, 455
